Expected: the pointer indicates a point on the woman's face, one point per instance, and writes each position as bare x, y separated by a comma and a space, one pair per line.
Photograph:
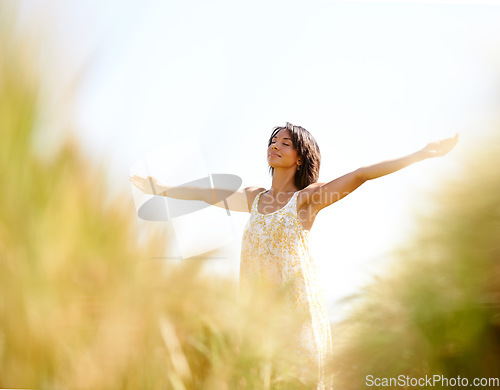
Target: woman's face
281, 152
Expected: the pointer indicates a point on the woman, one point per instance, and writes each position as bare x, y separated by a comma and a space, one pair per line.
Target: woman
275, 247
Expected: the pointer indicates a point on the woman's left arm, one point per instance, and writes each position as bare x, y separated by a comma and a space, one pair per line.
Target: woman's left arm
324, 194
433, 149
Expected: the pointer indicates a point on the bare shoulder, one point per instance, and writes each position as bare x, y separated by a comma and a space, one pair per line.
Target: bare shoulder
251, 193
306, 194
240, 200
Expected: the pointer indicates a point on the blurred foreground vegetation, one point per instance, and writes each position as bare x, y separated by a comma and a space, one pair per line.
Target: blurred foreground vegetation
83, 304
436, 308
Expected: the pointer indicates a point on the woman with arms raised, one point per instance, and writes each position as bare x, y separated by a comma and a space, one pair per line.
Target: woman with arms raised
275, 247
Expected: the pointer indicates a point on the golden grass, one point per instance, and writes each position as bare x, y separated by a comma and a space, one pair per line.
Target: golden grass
83, 304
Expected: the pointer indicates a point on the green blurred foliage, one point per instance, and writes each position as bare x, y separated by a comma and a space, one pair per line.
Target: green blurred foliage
83, 304
436, 308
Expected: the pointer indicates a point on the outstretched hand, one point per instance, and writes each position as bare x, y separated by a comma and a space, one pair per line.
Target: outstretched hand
148, 185
440, 148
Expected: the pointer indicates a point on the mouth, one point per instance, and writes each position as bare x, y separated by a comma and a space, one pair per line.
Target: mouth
274, 155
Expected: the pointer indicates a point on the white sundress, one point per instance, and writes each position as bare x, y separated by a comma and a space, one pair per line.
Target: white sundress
275, 247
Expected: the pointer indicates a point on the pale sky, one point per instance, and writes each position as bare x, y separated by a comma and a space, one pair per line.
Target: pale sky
370, 80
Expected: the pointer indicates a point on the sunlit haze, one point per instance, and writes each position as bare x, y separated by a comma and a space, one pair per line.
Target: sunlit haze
370, 80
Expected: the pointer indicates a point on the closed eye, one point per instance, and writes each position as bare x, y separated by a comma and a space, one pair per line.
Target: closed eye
272, 142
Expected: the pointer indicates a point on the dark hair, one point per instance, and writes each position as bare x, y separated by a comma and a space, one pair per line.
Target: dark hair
307, 148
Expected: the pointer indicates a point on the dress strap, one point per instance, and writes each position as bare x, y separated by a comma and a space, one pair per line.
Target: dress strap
292, 203
256, 201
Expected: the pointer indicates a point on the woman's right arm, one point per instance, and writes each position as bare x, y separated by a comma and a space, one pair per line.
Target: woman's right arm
240, 200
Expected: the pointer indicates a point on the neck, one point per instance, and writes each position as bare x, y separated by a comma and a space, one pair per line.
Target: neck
283, 181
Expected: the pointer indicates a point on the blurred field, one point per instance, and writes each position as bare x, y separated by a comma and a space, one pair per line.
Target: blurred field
436, 309
83, 304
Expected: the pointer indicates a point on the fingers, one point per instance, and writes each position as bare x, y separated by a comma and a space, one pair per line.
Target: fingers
138, 181
448, 144
144, 184
137, 184
454, 139
137, 177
